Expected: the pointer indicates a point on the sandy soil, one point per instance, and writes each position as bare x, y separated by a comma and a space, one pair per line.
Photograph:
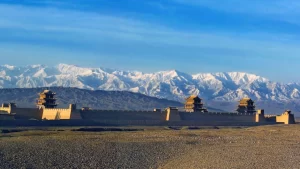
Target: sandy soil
256, 147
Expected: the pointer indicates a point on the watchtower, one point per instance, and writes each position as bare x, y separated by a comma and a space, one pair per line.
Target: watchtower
246, 105
194, 104
47, 99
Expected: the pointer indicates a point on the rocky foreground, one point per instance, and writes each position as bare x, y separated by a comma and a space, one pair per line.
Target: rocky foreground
257, 147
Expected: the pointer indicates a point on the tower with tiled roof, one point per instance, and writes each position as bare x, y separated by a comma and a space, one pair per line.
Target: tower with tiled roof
47, 99
194, 104
246, 105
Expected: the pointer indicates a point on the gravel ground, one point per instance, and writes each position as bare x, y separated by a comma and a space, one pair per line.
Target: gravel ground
257, 147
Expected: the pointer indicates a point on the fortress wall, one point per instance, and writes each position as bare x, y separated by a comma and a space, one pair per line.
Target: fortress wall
172, 114
211, 117
23, 123
7, 117
123, 115
270, 118
76, 115
5, 109
162, 116
292, 119
286, 119
27, 113
173, 123
52, 114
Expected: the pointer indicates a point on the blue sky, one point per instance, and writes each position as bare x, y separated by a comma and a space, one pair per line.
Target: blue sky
193, 36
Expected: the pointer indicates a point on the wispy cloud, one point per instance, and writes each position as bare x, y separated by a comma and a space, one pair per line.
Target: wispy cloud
94, 26
249, 6
60, 28
287, 10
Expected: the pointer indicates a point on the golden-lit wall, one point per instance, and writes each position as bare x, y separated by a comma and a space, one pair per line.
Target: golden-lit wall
43, 113
61, 114
5, 109
286, 118
260, 116
56, 114
22, 113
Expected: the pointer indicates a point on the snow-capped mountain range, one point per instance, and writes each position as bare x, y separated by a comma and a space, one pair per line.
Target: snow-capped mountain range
171, 84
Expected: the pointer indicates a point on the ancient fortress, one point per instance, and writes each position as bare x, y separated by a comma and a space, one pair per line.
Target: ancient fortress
193, 113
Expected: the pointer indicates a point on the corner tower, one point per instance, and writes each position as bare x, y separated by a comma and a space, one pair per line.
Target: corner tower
47, 99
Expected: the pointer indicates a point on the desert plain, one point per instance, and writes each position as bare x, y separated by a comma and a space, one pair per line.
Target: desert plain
274, 146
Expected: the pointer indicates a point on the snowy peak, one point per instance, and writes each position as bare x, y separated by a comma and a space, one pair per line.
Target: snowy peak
236, 77
244, 78
8, 67
172, 84
172, 75
74, 70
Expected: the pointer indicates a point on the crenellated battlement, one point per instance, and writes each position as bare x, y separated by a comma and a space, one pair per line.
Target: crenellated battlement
145, 111
287, 117
270, 115
55, 109
58, 113
8, 107
225, 113
132, 111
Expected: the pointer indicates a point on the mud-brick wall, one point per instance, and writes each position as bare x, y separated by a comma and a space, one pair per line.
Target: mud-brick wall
6, 117
217, 117
286, 119
52, 114
27, 113
123, 115
5, 109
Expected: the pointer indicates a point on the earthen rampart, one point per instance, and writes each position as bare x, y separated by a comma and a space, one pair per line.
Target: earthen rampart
222, 113
194, 113
123, 115
5, 109
286, 118
173, 115
27, 113
56, 114
47, 123
217, 116
6, 116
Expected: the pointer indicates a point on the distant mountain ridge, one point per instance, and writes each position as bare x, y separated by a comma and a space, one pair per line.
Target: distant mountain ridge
97, 99
173, 85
